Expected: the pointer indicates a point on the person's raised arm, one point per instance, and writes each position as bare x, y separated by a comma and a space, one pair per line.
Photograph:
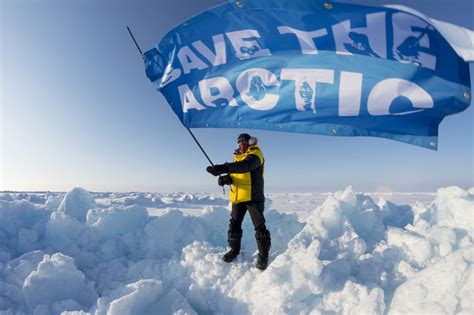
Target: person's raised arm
250, 163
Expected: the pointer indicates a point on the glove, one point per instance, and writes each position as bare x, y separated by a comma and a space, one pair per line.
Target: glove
217, 169
224, 180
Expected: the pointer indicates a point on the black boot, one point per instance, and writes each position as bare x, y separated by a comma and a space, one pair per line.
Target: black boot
234, 238
264, 243
262, 262
230, 256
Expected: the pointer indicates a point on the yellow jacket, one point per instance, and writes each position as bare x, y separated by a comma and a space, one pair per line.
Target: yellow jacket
247, 175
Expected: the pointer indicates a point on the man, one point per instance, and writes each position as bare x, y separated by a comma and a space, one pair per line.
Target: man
245, 175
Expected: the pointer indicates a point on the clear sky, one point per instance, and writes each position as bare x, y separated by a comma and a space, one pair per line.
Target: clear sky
78, 110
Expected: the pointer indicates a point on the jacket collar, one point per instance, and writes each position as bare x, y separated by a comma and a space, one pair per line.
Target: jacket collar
252, 147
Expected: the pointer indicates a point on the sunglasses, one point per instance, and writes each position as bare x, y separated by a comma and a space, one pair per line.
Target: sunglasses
242, 141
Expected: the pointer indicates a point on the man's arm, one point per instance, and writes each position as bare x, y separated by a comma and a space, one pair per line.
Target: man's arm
250, 163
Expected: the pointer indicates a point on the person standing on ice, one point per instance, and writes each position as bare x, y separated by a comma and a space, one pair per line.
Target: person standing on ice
245, 175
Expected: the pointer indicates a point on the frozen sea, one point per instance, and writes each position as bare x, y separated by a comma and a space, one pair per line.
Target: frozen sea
342, 252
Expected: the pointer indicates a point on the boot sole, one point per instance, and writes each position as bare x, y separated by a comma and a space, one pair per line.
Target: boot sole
260, 268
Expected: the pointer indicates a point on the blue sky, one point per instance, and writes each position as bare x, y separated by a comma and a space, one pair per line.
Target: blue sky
78, 110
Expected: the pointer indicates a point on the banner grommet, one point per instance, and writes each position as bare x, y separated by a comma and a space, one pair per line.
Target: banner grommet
467, 95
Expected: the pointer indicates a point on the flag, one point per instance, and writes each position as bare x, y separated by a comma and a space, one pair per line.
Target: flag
315, 67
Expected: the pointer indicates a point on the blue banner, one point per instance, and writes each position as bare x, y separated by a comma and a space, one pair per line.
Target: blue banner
311, 67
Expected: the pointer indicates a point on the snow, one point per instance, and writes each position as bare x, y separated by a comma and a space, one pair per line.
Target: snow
117, 220
150, 253
424, 292
57, 279
76, 203
133, 298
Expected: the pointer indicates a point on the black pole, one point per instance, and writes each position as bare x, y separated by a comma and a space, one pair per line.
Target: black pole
136, 44
190, 132
200, 147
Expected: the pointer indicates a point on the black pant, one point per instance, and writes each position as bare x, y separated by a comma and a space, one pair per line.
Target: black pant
255, 209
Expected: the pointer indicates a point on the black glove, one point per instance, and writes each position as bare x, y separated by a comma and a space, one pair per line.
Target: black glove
224, 180
217, 169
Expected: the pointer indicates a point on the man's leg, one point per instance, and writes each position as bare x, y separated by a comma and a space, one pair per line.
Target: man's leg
262, 235
234, 234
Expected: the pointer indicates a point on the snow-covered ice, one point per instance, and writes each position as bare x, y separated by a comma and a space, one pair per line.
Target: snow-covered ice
150, 253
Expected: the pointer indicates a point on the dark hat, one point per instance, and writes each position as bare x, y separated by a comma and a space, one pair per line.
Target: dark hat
244, 136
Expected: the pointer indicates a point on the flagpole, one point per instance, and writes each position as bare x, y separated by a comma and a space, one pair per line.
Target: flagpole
192, 135
135, 41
